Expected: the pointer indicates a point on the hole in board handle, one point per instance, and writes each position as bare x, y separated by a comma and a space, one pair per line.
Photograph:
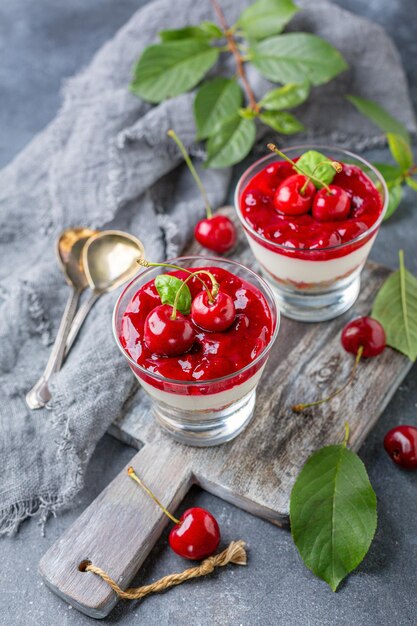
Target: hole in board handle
84, 564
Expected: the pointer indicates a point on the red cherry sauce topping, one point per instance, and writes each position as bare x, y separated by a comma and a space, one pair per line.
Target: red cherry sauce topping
354, 206
401, 444
197, 536
365, 332
214, 353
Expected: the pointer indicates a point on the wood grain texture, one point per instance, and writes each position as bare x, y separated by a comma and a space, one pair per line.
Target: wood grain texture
256, 471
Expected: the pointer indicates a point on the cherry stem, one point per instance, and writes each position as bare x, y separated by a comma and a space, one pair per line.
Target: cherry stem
347, 433
145, 263
234, 49
334, 164
273, 148
298, 408
211, 294
171, 133
131, 472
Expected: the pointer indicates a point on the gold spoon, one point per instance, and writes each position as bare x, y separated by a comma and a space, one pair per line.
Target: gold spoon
69, 253
109, 259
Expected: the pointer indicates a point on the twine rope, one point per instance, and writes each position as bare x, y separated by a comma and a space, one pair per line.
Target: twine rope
234, 553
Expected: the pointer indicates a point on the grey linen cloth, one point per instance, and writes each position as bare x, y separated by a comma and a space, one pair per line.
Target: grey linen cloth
106, 161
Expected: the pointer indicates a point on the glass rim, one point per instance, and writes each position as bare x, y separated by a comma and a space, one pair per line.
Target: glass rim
197, 383
305, 147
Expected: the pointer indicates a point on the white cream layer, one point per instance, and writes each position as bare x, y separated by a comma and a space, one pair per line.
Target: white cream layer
305, 271
213, 401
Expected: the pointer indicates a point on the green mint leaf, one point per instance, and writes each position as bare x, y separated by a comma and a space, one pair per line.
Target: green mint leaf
168, 286
311, 163
168, 69
333, 513
379, 116
266, 17
389, 172
216, 101
232, 141
394, 198
411, 183
401, 151
297, 58
206, 30
395, 307
286, 97
281, 121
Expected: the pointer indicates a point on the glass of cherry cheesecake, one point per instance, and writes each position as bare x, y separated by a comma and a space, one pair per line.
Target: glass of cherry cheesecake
311, 215
197, 333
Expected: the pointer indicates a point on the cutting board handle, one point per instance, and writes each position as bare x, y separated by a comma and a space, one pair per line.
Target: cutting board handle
116, 532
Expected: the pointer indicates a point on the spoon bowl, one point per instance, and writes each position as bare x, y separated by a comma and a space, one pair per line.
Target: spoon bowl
110, 259
69, 249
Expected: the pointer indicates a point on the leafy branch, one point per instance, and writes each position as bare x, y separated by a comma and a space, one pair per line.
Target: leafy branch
225, 115
404, 172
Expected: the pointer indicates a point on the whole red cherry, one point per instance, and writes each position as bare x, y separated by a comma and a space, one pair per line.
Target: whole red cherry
401, 444
213, 316
329, 207
217, 233
197, 536
365, 332
165, 336
291, 198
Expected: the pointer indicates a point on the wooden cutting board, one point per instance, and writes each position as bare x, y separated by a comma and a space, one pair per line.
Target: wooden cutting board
256, 471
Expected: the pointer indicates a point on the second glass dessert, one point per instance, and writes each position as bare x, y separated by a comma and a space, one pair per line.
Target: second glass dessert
313, 260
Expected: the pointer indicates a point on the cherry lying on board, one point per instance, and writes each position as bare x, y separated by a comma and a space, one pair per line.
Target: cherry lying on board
195, 536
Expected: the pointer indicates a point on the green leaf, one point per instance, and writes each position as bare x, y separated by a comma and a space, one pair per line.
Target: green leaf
266, 17
231, 143
296, 58
395, 196
281, 121
333, 513
389, 172
395, 307
286, 97
168, 286
379, 116
247, 113
401, 151
216, 101
311, 163
168, 69
411, 183
206, 30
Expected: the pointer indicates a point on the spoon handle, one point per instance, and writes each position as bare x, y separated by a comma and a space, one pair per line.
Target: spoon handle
39, 395
79, 319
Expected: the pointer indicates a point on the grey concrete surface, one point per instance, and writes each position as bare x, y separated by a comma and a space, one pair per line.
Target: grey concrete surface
41, 43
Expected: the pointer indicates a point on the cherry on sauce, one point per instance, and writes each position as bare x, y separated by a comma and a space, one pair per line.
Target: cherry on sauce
217, 233
165, 336
329, 207
401, 444
365, 332
293, 196
197, 535
214, 316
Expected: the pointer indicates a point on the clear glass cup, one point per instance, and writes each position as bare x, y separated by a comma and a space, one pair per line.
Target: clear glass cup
307, 287
209, 412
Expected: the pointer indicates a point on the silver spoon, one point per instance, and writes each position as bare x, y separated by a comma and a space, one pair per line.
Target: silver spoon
109, 259
69, 252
